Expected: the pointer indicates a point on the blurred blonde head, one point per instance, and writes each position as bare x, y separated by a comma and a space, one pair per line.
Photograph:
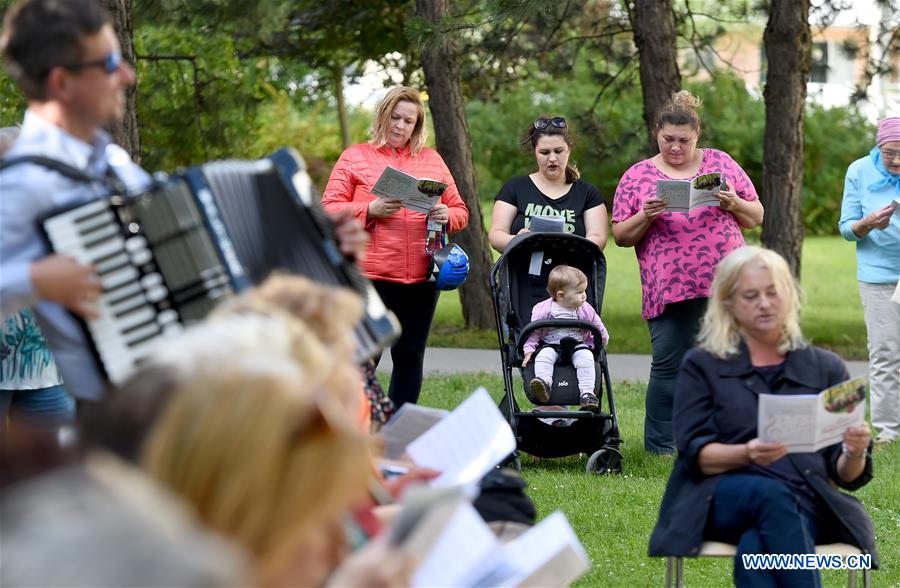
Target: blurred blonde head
380, 131
331, 312
307, 309
261, 450
719, 331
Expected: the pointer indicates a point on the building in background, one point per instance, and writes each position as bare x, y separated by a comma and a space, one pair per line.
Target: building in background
841, 51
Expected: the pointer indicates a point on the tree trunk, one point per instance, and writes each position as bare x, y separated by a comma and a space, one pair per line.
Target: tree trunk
441, 64
787, 43
338, 81
653, 24
125, 133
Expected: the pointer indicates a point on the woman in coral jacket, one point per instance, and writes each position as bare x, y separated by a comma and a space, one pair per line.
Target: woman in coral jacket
395, 259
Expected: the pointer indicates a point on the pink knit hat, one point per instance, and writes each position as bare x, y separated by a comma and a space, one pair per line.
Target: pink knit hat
888, 130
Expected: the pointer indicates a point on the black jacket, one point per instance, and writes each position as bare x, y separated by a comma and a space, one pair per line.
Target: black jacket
716, 400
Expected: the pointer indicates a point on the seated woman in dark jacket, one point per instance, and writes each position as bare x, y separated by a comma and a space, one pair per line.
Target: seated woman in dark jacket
728, 485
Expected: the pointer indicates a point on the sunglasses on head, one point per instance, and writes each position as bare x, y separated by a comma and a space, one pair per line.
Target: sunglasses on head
542, 123
110, 64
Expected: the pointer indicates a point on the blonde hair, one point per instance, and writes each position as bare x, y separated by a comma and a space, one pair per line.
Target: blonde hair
257, 446
331, 312
719, 331
564, 277
680, 110
380, 131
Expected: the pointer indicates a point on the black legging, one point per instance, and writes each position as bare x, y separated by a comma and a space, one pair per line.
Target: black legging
414, 306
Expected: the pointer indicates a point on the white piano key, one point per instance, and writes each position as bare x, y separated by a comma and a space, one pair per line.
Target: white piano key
127, 292
111, 263
106, 232
111, 247
85, 226
138, 317
119, 277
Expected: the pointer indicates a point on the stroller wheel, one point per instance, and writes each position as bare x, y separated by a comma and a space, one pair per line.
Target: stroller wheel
605, 461
513, 461
517, 464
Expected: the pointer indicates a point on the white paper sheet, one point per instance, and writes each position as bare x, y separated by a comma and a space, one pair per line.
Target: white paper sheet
464, 544
407, 425
465, 444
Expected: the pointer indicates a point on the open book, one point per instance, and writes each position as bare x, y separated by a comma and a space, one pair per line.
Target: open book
686, 195
809, 422
417, 194
465, 444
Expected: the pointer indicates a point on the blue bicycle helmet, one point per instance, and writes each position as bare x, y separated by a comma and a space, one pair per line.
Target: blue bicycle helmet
450, 267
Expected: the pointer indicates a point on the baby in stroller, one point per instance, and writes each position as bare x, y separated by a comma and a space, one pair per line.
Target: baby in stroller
568, 300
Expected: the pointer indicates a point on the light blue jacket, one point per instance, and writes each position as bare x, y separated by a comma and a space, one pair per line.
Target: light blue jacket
878, 253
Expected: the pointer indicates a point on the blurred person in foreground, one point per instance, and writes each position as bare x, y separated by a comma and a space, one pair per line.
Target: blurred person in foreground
65, 57
253, 420
727, 484
74, 520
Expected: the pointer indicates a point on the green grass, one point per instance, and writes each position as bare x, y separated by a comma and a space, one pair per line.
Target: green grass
832, 313
613, 516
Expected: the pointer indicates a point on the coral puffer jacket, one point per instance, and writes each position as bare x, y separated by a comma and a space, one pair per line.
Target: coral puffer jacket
396, 251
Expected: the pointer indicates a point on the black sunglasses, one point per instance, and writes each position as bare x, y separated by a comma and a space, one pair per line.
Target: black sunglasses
542, 123
110, 64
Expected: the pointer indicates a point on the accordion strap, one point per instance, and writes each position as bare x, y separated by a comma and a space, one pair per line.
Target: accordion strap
48, 162
111, 180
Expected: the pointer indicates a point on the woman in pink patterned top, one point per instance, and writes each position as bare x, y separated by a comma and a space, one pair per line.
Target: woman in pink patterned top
678, 252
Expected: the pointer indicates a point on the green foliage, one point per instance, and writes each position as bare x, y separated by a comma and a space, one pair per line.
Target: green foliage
312, 129
834, 138
196, 109
12, 102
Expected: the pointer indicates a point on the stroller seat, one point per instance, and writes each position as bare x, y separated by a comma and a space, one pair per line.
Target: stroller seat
564, 388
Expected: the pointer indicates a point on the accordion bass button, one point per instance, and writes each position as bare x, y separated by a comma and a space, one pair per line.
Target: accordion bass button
151, 281
167, 317
141, 257
135, 244
156, 293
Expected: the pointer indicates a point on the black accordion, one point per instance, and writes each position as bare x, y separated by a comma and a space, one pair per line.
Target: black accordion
168, 256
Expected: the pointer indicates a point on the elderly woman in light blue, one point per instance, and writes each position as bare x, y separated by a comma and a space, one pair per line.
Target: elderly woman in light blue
870, 216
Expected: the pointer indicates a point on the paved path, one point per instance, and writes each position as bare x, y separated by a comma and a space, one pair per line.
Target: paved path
473, 361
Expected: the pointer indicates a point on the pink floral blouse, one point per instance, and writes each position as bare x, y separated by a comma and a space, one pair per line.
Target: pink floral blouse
679, 252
